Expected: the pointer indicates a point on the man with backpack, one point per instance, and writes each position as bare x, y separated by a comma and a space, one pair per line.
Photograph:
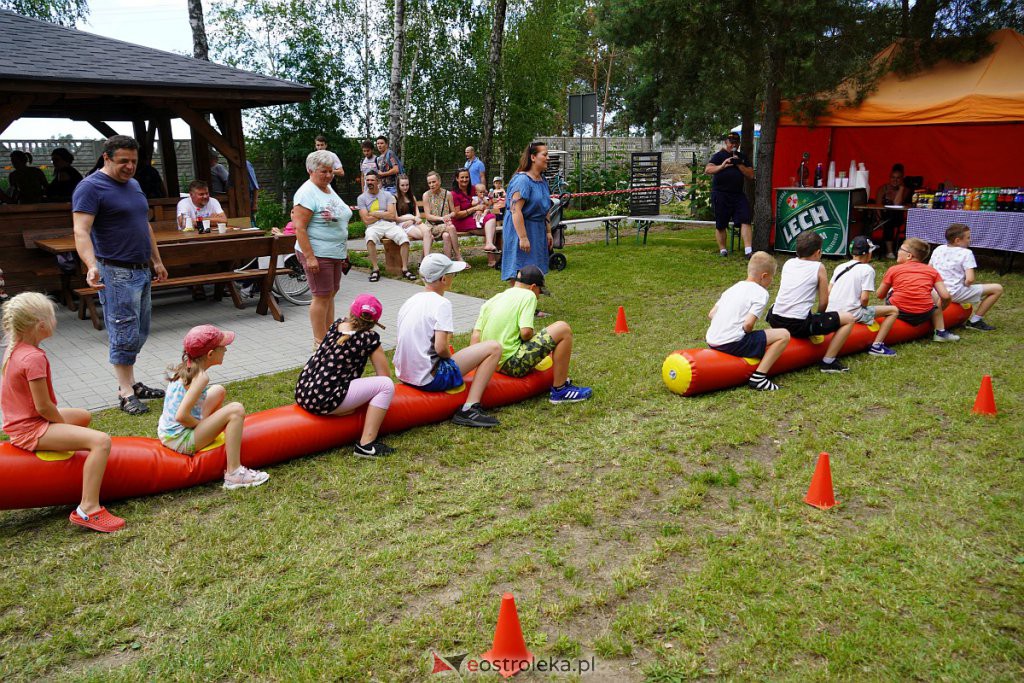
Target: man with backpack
389, 166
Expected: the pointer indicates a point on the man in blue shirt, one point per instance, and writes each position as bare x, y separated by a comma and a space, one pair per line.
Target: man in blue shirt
116, 243
476, 169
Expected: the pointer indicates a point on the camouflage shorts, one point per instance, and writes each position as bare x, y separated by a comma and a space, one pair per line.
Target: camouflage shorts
529, 354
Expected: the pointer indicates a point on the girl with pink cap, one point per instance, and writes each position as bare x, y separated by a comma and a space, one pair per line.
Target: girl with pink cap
194, 413
331, 383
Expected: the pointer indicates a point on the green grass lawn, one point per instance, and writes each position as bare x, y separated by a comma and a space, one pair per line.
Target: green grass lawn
665, 536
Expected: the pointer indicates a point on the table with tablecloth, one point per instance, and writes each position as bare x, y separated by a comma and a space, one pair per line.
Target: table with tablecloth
999, 230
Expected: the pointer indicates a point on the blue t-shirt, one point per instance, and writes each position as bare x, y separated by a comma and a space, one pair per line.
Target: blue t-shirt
477, 172
328, 226
173, 396
120, 229
730, 178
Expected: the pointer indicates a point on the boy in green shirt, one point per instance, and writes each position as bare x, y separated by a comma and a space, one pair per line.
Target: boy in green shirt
508, 319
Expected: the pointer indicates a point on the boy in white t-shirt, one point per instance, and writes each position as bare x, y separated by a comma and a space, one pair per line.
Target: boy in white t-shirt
802, 279
851, 288
734, 316
956, 264
423, 357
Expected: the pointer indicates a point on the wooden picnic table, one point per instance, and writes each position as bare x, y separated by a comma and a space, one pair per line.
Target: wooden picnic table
60, 245
182, 251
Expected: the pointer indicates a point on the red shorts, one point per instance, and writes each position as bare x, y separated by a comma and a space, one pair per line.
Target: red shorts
328, 281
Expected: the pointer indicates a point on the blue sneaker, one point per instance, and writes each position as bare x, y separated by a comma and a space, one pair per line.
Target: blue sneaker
881, 350
570, 393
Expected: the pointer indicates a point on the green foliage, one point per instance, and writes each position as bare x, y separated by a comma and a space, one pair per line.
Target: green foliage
698, 192
270, 213
63, 12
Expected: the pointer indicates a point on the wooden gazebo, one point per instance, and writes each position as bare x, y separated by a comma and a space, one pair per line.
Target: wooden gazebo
51, 71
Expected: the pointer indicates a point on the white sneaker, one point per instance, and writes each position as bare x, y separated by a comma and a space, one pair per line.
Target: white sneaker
244, 478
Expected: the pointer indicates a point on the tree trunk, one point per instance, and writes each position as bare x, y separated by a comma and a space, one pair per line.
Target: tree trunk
747, 143
200, 48
607, 86
905, 19
408, 90
367, 73
493, 81
395, 105
597, 64
922, 19
765, 160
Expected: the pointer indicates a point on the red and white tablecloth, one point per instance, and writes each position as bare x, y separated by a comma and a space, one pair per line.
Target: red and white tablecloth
1003, 231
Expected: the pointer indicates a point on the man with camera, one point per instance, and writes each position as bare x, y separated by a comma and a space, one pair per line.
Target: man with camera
728, 169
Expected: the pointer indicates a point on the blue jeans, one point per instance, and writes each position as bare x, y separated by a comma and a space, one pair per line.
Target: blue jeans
126, 310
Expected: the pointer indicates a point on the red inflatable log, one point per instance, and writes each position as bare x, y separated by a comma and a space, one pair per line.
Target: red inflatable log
697, 371
141, 466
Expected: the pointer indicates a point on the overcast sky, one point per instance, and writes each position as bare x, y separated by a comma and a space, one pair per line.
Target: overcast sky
160, 24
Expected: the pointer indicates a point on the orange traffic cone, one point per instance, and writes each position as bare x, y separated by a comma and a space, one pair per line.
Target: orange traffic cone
985, 404
508, 655
820, 494
620, 322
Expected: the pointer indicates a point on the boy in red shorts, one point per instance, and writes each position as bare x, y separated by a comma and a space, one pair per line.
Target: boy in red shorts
908, 286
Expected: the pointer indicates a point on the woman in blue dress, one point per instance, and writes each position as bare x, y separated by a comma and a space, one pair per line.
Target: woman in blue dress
529, 199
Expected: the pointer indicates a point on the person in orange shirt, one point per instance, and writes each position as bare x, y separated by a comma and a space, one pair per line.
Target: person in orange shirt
908, 286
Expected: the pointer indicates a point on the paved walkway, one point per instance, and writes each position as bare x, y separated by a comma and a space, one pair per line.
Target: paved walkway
82, 376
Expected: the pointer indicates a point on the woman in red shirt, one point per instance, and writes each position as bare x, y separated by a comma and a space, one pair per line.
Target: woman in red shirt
464, 216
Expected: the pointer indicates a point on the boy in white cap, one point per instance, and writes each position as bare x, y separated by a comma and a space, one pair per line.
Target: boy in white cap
851, 288
508, 318
423, 358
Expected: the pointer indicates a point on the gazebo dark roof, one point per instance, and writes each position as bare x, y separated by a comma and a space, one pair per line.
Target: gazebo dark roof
74, 62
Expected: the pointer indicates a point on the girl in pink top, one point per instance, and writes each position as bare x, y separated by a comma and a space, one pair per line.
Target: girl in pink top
464, 216
31, 417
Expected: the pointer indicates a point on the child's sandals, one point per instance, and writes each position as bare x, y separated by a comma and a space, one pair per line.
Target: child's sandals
374, 276
408, 275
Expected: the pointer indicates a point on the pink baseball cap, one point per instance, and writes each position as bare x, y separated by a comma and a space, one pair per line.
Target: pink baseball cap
202, 339
367, 307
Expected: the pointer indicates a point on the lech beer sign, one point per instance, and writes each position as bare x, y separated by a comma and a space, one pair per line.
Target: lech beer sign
824, 212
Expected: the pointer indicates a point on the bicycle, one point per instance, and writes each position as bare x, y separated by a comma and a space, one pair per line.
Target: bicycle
676, 190
290, 281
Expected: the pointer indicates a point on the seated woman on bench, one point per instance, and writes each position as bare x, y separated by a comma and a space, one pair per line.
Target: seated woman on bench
409, 215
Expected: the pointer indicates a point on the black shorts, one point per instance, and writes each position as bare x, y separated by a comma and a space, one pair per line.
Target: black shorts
802, 328
730, 207
752, 345
915, 319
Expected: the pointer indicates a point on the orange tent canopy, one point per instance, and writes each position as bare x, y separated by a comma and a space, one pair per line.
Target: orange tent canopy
990, 90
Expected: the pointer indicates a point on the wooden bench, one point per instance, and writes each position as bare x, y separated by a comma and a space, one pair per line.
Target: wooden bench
223, 256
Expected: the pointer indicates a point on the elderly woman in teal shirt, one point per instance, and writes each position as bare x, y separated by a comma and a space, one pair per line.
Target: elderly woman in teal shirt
321, 221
